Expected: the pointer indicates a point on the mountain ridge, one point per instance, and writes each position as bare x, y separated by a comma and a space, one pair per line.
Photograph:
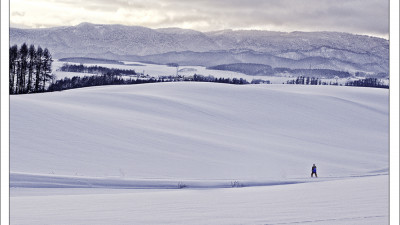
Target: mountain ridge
120, 42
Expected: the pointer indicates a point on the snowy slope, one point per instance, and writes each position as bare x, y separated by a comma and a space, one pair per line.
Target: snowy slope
200, 153
200, 131
358, 201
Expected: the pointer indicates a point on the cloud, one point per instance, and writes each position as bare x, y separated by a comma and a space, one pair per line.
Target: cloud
355, 16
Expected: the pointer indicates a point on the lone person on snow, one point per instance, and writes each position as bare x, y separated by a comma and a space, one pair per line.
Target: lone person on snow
314, 171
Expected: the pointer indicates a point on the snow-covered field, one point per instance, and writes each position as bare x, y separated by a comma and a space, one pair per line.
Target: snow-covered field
155, 70
356, 201
172, 152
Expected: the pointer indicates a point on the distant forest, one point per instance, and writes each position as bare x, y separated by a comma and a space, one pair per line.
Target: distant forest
30, 69
96, 70
367, 82
267, 70
108, 79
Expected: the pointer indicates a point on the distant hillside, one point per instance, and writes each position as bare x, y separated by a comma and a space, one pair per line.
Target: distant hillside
295, 50
261, 69
322, 73
246, 68
90, 60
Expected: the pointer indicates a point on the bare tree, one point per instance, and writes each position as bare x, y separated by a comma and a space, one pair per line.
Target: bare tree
23, 54
13, 67
47, 61
31, 66
38, 63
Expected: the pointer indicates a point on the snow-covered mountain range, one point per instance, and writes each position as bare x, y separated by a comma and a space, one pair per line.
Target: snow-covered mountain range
295, 50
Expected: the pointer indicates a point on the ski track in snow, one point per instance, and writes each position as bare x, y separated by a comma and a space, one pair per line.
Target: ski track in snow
23, 180
356, 201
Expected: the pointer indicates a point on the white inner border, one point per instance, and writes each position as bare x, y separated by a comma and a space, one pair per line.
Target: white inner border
394, 112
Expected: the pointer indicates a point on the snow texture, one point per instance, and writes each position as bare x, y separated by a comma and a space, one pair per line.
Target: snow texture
200, 153
357, 201
200, 131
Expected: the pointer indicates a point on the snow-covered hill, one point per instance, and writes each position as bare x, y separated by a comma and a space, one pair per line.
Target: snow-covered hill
318, 50
183, 152
201, 131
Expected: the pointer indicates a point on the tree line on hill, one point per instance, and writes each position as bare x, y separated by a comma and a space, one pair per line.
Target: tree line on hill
367, 82
95, 80
306, 81
95, 70
30, 69
109, 79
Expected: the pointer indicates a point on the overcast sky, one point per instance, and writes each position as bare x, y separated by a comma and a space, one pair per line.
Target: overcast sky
369, 17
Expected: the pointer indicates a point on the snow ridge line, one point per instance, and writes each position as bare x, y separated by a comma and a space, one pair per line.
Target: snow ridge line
22, 180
